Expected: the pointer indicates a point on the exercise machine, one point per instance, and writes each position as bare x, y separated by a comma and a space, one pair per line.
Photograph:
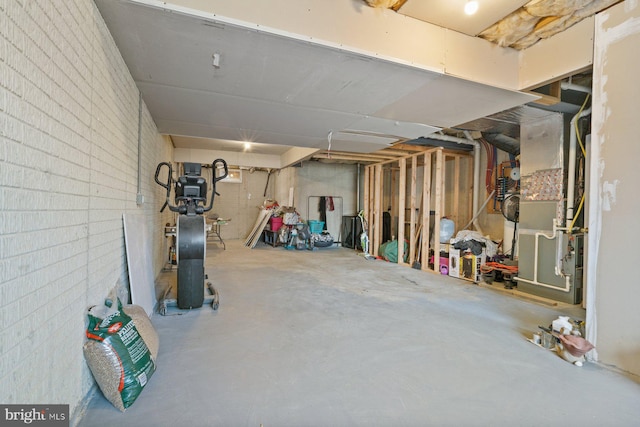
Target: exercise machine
190, 202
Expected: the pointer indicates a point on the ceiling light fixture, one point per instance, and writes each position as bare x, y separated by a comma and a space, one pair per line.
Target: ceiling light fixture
471, 7
247, 146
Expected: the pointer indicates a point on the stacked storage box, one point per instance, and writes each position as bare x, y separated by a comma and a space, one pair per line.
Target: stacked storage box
465, 265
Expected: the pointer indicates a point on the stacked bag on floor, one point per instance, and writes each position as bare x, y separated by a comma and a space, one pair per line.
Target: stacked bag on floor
121, 351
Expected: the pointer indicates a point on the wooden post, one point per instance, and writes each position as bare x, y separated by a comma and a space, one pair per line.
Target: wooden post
402, 204
394, 203
413, 203
368, 197
386, 182
438, 209
426, 211
455, 213
377, 216
365, 188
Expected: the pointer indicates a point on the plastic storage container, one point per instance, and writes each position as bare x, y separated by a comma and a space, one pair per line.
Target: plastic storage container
447, 228
562, 325
276, 223
316, 226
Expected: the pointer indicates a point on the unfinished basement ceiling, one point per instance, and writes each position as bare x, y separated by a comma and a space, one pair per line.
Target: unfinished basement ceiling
514, 23
204, 78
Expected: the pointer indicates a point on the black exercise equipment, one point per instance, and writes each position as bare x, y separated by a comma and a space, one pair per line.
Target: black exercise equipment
190, 202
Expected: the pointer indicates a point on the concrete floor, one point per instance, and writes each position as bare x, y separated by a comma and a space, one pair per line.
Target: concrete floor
327, 338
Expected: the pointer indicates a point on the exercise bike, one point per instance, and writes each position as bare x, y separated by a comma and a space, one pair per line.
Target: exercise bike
190, 202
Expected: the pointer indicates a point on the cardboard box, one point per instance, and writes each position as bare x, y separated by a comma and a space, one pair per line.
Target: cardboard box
454, 263
465, 265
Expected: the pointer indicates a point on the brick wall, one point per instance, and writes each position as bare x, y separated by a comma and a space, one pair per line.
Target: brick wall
68, 171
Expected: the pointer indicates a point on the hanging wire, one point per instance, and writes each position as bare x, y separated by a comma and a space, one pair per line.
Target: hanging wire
584, 153
329, 148
575, 125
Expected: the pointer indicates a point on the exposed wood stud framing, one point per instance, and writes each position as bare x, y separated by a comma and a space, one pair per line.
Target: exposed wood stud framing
426, 211
402, 204
394, 203
455, 211
414, 205
366, 195
439, 196
402, 185
377, 215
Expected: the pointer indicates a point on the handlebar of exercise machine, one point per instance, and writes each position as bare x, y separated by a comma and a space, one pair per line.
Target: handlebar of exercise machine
190, 189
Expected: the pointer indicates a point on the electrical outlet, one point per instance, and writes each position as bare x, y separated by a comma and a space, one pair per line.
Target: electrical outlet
249, 196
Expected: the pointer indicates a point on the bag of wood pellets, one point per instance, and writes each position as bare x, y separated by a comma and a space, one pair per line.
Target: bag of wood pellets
145, 328
117, 356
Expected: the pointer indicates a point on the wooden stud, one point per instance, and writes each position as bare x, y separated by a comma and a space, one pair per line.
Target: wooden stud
397, 5
394, 203
455, 212
426, 211
438, 208
394, 186
366, 191
402, 204
554, 96
377, 216
413, 203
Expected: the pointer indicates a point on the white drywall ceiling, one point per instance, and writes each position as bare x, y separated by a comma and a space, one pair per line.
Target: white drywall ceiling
203, 78
226, 145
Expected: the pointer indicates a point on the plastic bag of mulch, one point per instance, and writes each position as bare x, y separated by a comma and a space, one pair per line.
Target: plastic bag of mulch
145, 328
117, 355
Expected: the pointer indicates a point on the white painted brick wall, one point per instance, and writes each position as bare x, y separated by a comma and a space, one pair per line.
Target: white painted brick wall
68, 171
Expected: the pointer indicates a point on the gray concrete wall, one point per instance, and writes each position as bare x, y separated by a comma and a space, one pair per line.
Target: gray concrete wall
241, 202
320, 179
613, 292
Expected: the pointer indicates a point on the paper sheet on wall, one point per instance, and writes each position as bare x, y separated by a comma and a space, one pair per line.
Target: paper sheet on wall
141, 282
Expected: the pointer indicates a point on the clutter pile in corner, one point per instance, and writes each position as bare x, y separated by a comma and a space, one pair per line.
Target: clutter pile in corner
565, 337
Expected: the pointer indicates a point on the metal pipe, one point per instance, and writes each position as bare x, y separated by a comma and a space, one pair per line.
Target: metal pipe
476, 180
574, 87
571, 169
139, 188
567, 283
476, 170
